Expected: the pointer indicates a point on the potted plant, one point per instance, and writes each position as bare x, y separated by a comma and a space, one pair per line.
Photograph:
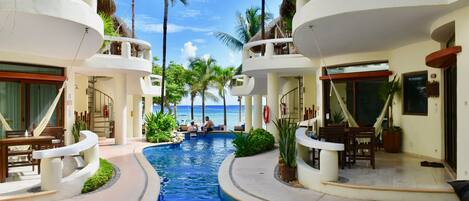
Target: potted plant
337, 119
287, 148
78, 126
392, 137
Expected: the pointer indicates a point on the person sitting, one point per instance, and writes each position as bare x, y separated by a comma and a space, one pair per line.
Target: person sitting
208, 126
193, 128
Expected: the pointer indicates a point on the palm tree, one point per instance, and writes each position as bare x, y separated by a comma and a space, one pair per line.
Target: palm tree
223, 77
165, 33
204, 70
193, 87
247, 26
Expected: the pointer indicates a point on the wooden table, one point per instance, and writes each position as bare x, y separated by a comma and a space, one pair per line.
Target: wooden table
18, 141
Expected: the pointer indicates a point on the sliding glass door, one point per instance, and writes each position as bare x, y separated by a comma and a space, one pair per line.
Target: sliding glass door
10, 104
39, 98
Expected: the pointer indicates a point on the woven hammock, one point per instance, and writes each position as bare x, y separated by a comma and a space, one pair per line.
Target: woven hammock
44, 121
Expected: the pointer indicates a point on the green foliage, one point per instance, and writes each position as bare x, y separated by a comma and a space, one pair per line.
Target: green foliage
109, 28
287, 141
337, 117
287, 11
175, 83
159, 127
78, 126
247, 26
257, 141
101, 177
390, 89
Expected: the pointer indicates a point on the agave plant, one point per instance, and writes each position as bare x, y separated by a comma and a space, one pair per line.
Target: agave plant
287, 141
78, 126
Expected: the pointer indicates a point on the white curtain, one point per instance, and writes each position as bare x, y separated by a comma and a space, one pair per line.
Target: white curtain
45, 120
10, 106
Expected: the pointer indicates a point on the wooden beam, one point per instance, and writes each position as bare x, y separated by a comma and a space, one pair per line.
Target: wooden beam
344, 76
31, 76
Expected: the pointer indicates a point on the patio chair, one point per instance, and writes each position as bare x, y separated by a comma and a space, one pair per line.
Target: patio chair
335, 135
57, 133
20, 156
363, 144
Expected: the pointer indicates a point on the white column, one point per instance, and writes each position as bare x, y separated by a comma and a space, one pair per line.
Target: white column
51, 173
257, 112
120, 87
148, 105
273, 102
137, 116
69, 116
247, 113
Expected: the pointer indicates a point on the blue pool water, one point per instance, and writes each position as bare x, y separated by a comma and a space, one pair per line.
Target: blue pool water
189, 170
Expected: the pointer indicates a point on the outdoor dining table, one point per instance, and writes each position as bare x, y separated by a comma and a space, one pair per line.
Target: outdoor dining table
18, 141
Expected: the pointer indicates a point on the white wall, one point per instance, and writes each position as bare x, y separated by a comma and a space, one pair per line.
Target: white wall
309, 96
81, 98
422, 135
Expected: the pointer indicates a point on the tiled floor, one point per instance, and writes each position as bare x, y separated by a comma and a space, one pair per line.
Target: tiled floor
20, 178
397, 171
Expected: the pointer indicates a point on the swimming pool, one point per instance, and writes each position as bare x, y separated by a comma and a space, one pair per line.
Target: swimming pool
189, 170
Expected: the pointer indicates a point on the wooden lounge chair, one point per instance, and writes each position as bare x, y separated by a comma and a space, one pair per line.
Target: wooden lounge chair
335, 135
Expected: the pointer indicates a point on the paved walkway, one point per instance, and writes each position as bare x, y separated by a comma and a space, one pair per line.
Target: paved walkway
254, 177
132, 181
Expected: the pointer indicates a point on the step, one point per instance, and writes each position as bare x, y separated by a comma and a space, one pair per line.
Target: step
102, 127
100, 122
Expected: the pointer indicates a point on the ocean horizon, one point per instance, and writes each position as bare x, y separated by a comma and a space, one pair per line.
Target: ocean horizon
214, 112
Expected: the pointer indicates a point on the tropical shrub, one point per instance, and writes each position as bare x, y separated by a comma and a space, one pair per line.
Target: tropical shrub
257, 141
287, 141
101, 177
78, 126
159, 127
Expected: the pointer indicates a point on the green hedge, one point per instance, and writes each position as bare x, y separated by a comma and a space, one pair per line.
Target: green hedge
257, 141
101, 177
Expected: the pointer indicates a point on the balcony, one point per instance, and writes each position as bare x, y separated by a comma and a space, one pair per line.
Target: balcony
151, 85
50, 29
119, 55
245, 86
344, 27
275, 55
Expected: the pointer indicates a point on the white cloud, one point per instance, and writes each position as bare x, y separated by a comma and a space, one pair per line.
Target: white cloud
199, 40
189, 13
148, 24
189, 50
206, 57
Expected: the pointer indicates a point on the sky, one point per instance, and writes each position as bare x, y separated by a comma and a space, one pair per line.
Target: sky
190, 29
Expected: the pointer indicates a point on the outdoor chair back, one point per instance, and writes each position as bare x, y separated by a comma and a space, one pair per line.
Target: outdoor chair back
363, 144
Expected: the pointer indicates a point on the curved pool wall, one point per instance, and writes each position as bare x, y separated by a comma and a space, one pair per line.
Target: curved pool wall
189, 170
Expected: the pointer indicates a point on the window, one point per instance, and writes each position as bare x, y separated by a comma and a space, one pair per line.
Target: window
415, 93
358, 68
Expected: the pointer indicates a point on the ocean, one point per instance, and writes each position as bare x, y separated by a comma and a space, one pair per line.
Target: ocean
215, 112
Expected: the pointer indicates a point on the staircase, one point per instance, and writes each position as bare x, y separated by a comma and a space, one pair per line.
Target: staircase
100, 106
295, 112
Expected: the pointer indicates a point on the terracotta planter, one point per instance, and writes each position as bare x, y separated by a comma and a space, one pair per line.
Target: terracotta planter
287, 174
392, 141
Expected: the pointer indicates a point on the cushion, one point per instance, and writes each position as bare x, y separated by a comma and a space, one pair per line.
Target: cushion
461, 188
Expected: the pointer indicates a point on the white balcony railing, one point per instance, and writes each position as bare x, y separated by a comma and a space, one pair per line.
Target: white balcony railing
52, 165
239, 80
151, 85
270, 48
126, 48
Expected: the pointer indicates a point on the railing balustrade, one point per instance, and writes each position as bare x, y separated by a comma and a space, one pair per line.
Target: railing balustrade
269, 48
52, 166
126, 48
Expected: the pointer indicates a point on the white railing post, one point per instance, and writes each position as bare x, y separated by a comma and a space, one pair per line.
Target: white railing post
126, 50
147, 54
269, 50
329, 169
245, 80
92, 154
51, 173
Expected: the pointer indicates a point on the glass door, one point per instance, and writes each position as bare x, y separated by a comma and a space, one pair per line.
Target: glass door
450, 117
10, 105
39, 99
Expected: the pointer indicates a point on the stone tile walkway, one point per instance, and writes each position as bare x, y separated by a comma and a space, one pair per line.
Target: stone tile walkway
254, 179
132, 182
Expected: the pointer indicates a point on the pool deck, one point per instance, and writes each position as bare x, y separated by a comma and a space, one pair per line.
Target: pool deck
137, 181
252, 178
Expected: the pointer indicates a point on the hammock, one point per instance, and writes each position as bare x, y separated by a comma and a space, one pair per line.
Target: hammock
351, 121
45, 120
5, 124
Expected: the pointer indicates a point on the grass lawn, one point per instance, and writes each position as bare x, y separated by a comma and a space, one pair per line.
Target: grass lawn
101, 177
